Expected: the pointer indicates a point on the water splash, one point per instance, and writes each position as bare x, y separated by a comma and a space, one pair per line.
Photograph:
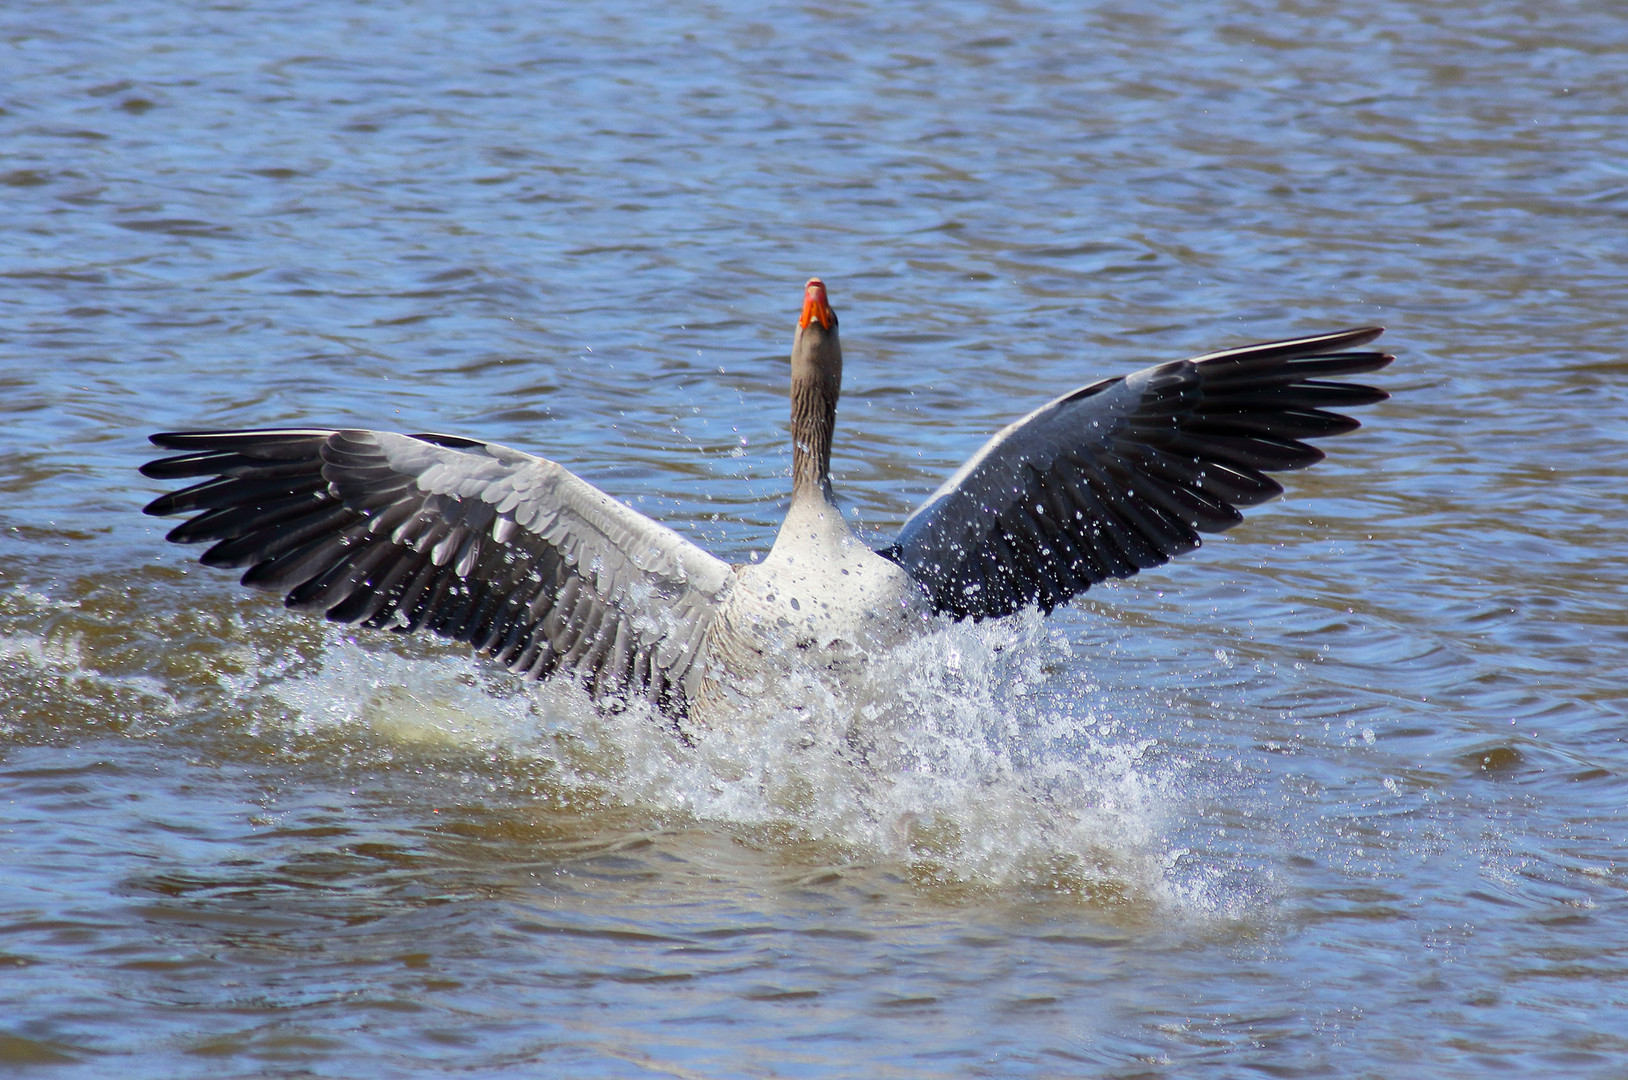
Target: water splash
981, 756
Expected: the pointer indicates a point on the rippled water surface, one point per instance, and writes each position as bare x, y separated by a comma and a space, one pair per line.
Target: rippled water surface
1340, 795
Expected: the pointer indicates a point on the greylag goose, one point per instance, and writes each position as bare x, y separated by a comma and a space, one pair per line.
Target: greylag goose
547, 574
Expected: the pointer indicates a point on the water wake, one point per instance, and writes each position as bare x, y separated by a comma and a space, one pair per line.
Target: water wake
981, 756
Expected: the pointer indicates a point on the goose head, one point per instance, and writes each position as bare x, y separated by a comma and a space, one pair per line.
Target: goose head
816, 352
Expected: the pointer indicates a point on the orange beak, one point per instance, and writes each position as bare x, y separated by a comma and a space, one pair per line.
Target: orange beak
815, 306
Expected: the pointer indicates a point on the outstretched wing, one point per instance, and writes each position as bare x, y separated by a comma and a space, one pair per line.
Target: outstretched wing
1124, 474
477, 542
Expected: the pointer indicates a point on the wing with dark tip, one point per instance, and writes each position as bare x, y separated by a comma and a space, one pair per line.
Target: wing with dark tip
1124, 474
476, 542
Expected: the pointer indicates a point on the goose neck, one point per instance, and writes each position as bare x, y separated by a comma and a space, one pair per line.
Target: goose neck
813, 419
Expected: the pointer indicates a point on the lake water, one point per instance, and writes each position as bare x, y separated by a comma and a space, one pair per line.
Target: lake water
1343, 794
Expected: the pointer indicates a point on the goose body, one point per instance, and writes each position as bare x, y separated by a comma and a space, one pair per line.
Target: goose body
547, 574
821, 600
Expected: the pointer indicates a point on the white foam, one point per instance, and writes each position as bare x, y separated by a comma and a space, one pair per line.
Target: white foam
979, 755
131, 701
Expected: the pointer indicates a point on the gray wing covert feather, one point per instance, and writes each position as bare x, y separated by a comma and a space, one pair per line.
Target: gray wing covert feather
473, 541
1125, 474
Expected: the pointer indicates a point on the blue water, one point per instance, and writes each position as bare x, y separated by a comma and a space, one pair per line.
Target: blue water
1341, 794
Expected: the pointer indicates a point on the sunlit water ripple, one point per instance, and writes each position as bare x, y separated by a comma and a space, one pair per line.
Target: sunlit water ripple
1340, 795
